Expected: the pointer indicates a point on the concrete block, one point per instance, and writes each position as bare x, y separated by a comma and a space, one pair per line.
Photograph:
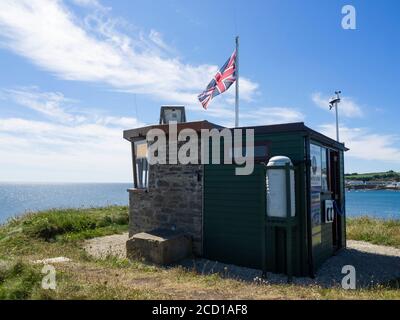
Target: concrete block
159, 246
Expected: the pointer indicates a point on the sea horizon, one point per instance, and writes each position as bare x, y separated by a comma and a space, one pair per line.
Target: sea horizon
63, 182
18, 198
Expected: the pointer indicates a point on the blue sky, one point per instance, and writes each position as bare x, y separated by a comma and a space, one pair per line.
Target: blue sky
75, 73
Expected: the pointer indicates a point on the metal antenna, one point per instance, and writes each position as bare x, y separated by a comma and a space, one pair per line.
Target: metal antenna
136, 109
333, 102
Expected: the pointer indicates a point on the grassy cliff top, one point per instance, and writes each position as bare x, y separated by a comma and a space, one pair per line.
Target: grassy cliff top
376, 176
382, 232
56, 233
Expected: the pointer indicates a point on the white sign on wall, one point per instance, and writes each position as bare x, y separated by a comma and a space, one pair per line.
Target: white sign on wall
315, 156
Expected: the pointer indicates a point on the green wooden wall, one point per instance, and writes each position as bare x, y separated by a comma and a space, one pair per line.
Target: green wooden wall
234, 212
291, 145
233, 215
235, 229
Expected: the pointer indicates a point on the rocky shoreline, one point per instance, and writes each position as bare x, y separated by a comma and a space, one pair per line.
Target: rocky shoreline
371, 187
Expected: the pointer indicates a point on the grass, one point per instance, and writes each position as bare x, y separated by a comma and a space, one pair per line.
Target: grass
56, 233
386, 176
382, 232
72, 223
18, 281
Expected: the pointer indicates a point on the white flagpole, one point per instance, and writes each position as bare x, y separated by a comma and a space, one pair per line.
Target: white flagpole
237, 85
333, 103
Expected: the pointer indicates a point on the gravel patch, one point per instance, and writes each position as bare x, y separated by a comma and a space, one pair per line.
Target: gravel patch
374, 264
103, 247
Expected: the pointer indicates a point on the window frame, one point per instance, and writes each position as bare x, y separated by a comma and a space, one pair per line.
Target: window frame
267, 145
257, 159
138, 183
325, 152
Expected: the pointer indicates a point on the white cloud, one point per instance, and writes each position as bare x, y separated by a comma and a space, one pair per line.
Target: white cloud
347, 107
253, 116
52, 37
125, 122
76, 146
84, 146
39, 151
88, 3
273, 115
64, 147
47, 103
156, 37
365, 145
73, 145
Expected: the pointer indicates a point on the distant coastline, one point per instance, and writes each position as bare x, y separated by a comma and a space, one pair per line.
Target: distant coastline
372, 187
389, 180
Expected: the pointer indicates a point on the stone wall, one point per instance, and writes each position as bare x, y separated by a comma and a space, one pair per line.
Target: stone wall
173, 200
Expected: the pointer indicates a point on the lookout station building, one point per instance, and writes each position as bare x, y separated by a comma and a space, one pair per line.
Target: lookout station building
226, 215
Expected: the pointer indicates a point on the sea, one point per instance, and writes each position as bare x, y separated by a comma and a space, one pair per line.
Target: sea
19, 198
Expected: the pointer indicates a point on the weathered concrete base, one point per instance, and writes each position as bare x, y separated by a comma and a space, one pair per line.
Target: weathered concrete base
159, 246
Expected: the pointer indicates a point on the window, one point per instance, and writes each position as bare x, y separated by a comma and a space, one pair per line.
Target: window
260, 151
324, 169
171, 113
320, 167
141, 165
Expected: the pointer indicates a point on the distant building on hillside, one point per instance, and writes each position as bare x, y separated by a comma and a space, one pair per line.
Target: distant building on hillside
393, 185
354, 183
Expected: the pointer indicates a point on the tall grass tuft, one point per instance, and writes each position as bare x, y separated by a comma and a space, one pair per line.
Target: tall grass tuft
19, 281
85, 223
382, 232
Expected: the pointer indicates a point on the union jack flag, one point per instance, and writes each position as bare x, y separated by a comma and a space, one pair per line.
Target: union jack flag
224, 78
